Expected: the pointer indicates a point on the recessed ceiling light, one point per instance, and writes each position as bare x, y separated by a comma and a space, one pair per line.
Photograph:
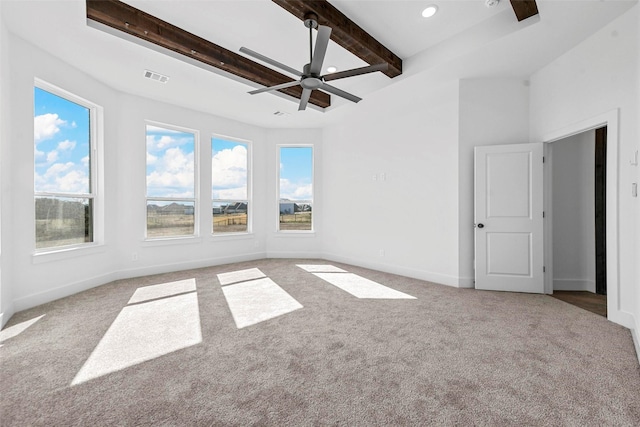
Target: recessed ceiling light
332, 69
430, 11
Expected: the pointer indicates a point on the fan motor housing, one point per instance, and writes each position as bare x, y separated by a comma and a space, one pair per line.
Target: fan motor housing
311, 83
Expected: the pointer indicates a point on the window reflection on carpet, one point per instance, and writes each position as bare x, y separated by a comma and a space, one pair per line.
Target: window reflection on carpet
159, 319
254, 301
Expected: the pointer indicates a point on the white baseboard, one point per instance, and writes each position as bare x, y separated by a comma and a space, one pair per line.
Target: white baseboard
294, 254
6, 315
428, 276
635, 332
49, 295
467, 282
574, 285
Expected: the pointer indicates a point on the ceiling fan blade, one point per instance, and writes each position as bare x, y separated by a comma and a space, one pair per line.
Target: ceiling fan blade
356, 72
306, 94
270, 61
276, 87
322, 41
334, 90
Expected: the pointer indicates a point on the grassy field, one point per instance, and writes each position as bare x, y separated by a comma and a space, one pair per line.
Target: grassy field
232, 223
295, 222
182, 225
169, 225
60, 232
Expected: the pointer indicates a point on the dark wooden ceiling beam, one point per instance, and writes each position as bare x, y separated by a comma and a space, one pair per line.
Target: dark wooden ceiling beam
524, 8
346, 33
130, 20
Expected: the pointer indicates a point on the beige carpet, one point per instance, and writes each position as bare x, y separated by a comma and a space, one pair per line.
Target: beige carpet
447, 357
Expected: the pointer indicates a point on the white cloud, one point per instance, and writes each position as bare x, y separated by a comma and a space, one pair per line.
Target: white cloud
66, 145
151, 159
239, 193
295, 191
72, 182
38, 154
62, 177
161, 142
46, 126
52, 156
85, 161
229, 173
173, 170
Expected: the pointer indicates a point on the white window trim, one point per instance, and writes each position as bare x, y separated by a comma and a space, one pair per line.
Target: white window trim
249, 199
196, 185
96, 130
313, 189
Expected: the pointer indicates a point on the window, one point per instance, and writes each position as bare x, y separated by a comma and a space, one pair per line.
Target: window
64, 134
296, 188
230, 185
171, 204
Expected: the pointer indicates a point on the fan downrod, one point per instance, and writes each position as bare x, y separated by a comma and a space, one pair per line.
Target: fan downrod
310, 20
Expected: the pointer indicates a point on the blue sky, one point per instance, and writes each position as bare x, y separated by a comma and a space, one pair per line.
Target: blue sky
228, 170
61, 144
296, 173
170, 163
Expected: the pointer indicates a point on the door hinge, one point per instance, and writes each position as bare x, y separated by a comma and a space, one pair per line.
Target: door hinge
542, 214
544, 269
542, 159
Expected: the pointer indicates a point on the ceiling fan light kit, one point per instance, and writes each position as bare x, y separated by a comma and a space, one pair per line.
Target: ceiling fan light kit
310, 77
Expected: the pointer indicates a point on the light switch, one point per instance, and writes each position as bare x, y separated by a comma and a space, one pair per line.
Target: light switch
634, 189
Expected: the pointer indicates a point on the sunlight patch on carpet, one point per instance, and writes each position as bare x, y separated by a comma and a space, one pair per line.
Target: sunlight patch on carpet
143, 332
240, 276
316, 268
360, 287
163, 290
258, 300
17, 329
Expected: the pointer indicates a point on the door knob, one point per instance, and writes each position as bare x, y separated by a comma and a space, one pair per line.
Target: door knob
480, 225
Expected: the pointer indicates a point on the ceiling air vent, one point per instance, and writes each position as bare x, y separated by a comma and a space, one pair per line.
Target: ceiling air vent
156, 76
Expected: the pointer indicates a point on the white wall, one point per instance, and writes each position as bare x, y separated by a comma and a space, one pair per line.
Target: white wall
492, 112
391, 182
598, 76
130, 190
39, 279
574, 241
636, 169
6, 306
29, 280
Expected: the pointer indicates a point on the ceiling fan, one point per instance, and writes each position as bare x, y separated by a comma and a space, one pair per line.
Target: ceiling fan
310, 78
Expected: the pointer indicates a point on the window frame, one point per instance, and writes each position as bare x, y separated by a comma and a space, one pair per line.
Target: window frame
196, 183
249, 200
313, 188
96, 159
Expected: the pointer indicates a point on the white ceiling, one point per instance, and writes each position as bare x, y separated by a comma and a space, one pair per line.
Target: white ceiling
465, 39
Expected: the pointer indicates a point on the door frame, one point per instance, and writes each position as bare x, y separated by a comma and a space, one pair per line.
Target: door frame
611, 120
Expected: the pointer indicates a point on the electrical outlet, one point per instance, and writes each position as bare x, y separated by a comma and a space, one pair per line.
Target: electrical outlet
374, 177
134, 256
381, 252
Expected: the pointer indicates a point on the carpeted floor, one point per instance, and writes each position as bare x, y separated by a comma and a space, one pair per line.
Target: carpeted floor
447, 357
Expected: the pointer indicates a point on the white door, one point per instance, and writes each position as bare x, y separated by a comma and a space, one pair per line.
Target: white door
508, 218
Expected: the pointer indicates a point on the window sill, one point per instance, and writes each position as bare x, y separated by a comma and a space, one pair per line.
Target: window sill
56, 254
165, 241
232, 236
295, 234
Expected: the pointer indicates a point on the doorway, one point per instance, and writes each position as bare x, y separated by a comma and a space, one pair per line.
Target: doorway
578, 171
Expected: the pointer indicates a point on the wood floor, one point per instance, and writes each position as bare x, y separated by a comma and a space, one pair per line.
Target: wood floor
586, 300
